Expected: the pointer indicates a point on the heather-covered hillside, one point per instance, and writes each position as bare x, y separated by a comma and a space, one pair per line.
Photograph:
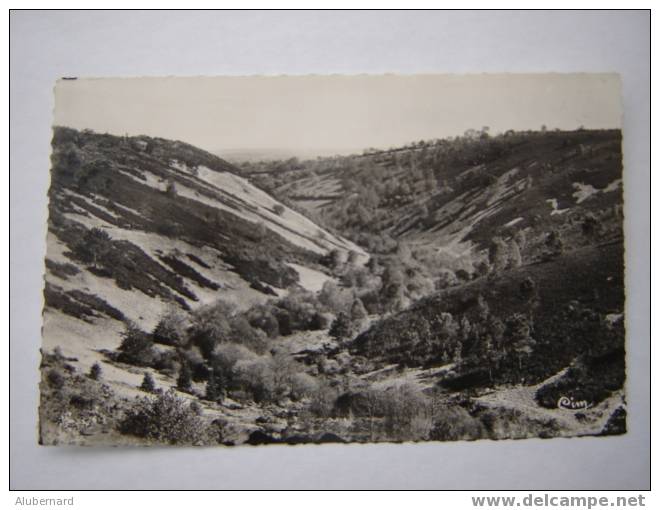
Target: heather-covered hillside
451, 289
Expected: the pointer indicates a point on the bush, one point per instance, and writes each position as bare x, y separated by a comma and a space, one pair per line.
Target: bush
136, 347
171, 328
210, 326
95, 372
297, 312
167, 419
323, 400
255, 377
55, 379
278, 209
408, 414
241, 332
218, 323
303, 386
333, 298
262, 317
454, 423
148, 384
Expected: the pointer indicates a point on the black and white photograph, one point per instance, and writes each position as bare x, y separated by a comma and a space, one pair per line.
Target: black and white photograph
334, 259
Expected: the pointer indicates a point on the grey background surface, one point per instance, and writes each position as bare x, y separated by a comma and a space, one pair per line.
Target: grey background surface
48, 45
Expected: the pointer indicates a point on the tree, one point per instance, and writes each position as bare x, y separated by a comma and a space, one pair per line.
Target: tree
457, 354
184, 381
498, 254
527, 288
170, 189
333, 298
518, 331
554, 243
334, 259
515, 259
260, 231
136, 346
496, 329
215, 386
148, 384
352, 258
211, 326
171, 328
488, 354
95, 372
521, 238
590, 225
358, 312
95, 246
261, 316
341, 327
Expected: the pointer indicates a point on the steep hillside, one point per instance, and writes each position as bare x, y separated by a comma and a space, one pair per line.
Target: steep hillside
139, 226
173, 222
454, 194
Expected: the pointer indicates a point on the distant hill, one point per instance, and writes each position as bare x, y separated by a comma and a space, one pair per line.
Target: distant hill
256, 155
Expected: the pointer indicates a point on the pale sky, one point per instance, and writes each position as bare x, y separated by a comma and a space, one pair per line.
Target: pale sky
334, 113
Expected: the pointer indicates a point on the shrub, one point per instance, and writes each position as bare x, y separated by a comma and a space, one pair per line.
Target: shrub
136, 347
333, 298
554, 243
170, 189
323, 400
303, 386
167, 418
408, 414
95, 372
278, 209
297, 311
55, 379
148, 384
94, 246
241, 332
255, 377
454, 423
262, 317
171, 328
166, 362
211, 326
528, 288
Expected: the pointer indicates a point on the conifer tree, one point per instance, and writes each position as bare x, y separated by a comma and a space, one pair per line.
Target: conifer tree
184, 381
214, 386
148, 384
341, 327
